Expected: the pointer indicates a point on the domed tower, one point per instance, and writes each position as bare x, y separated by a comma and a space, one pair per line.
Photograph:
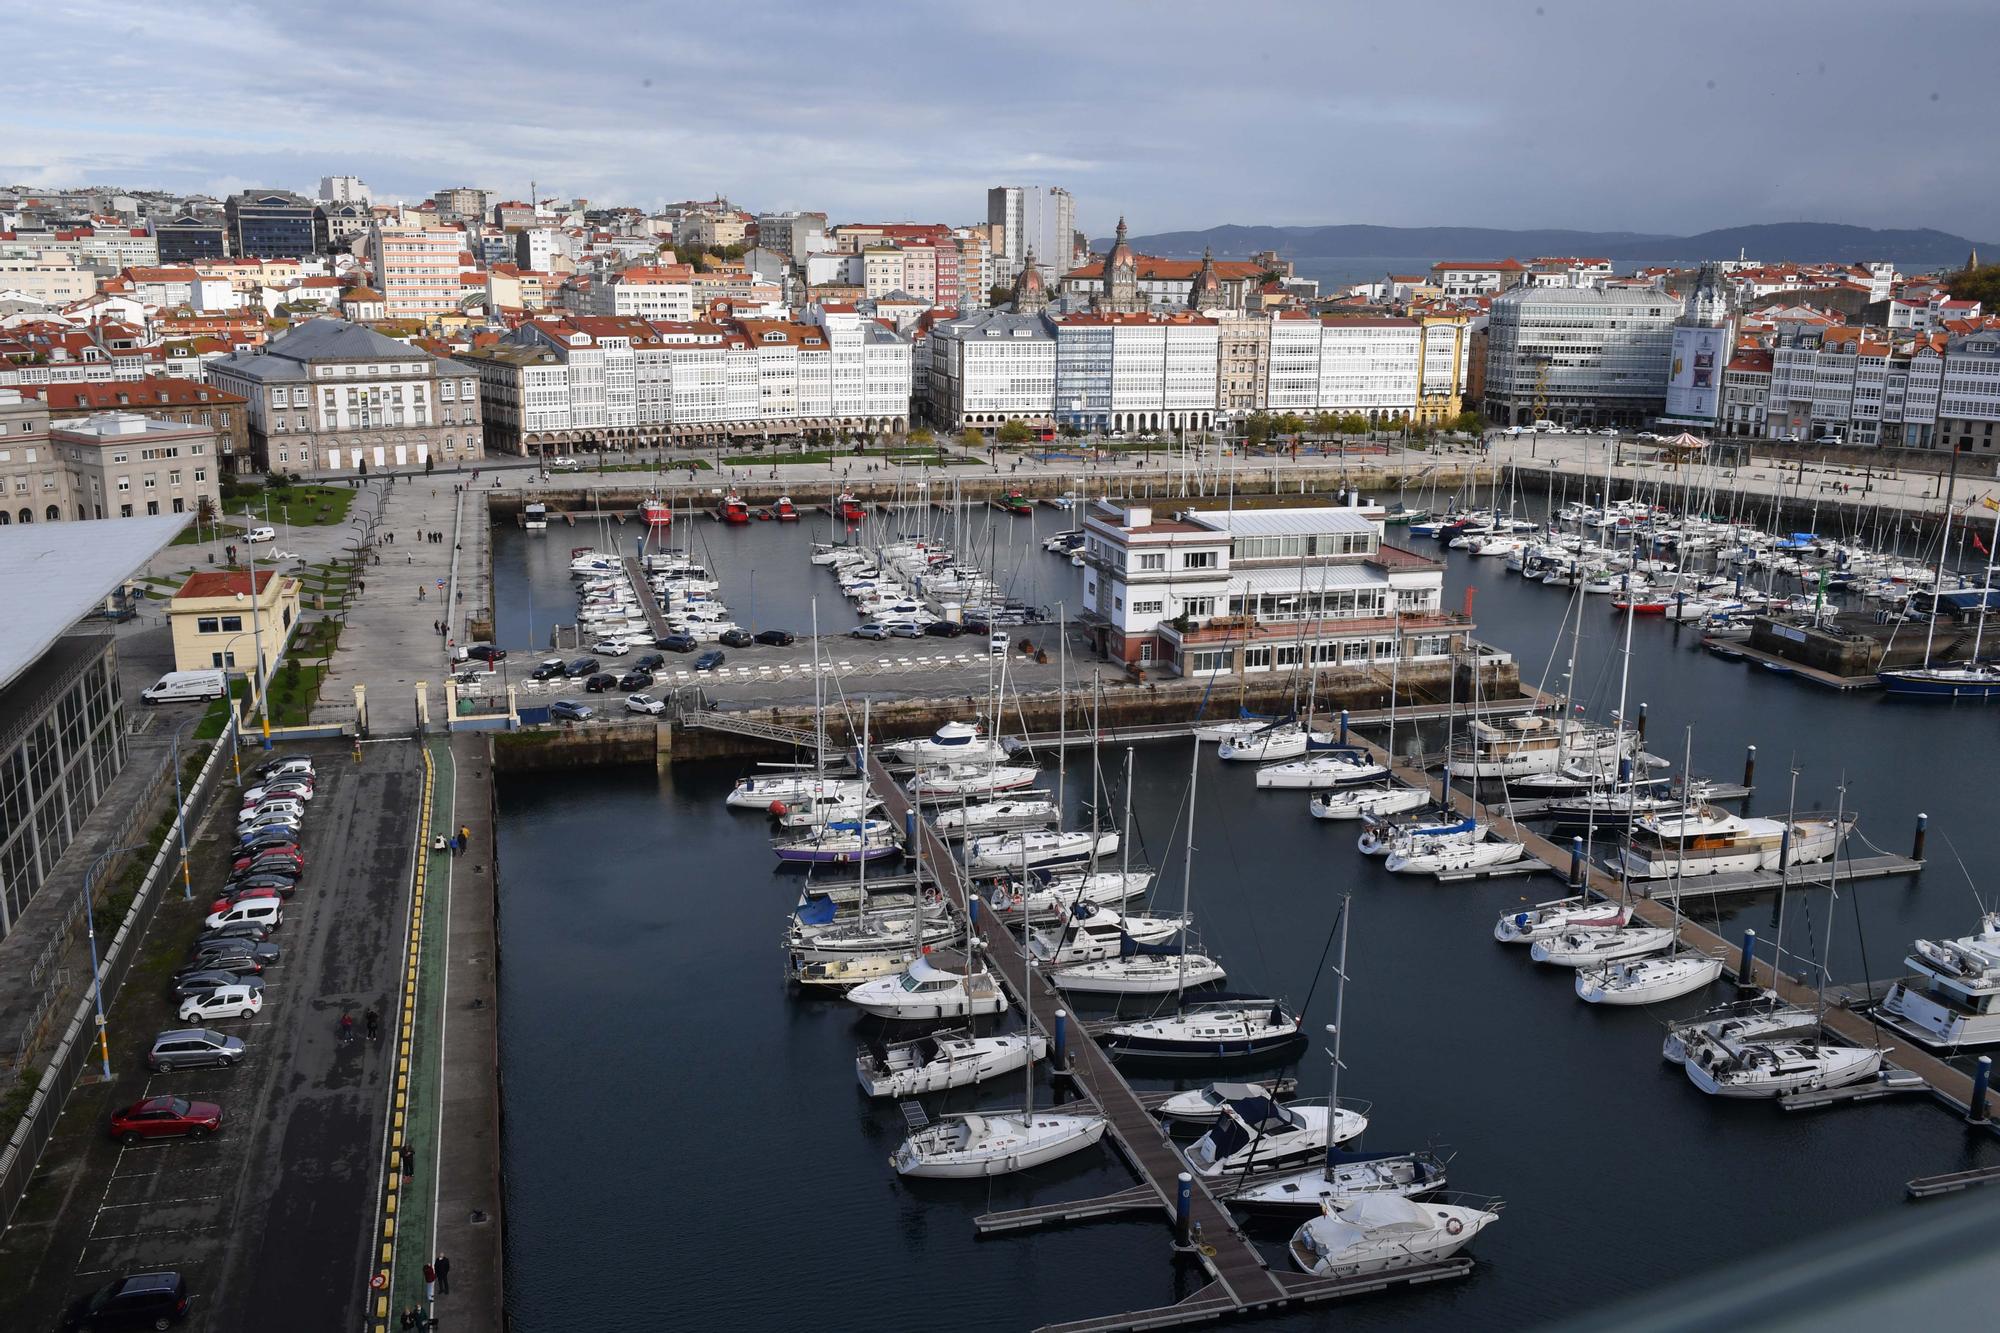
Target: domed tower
1121, 278
1031, 292
1206, 293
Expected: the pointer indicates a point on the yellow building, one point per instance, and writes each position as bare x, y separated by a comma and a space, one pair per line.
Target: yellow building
1442, 363
216, 624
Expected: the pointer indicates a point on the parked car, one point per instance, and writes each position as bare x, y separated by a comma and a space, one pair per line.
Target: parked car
165, 1117
486, 652
137, 1300
569, 710
268, 910
736, 638
201, 980
287, 851
1609, 432
276, 805
563, 465
232, 1001
551, 668
903, 629
269, 819
289, 764
267, 840
601, 682
611, 647
644, 703
777, 638
678, 643
944, 629
240, 956
185, 1048
650, 662
292, 789
636, 680
980, 627
581, 666
709, 660
261, 533
269, 864
253, 932
869, 631
285, 884
237, 893
996, 642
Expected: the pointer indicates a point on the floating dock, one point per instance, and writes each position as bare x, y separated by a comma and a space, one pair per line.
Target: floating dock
1816, 876
643, 588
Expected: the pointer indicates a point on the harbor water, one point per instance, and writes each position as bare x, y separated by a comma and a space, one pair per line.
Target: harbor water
686, 1144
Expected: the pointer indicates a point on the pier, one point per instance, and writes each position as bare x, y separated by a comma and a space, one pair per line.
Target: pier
1945, 1083
1240, 1282
643, 588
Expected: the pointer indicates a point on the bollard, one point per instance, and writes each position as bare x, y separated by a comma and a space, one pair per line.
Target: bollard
1785, 851
1642, 723
1982, 1079
1625, 768
1343, 726
1576, 876
1746, 973
1917, 843
1750, 767
1183, 1210
972, 915
1062, 1042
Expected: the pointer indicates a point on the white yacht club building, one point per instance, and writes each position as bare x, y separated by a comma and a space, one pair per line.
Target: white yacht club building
1260, 590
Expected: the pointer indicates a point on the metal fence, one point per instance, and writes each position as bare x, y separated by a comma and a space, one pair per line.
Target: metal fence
79, 1040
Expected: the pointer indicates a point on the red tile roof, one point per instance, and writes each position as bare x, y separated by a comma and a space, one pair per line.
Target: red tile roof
107, 394
223, 583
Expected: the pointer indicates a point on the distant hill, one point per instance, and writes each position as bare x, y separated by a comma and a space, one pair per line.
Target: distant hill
1912, 250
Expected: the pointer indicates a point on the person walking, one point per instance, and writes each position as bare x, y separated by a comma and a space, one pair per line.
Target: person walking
464, 834
413, 1317
430, 1285
406, 1158
374, 1023
443, 1267
346, 1027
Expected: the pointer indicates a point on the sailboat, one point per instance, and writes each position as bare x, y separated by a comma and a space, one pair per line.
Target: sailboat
1971, 679
1327, 768
1584, 948
1201, 1106
1259, 1133
1037, 847
1762, 1017
1544, 920
1367, 802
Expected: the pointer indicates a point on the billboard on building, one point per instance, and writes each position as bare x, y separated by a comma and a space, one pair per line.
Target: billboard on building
1694, 379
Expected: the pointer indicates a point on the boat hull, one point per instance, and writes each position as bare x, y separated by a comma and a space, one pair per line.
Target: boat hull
1072, 1135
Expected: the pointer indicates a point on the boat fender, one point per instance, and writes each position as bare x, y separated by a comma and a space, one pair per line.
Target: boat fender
779, 808
1453, 1226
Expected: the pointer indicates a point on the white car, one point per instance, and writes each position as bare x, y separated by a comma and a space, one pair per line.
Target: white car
281, 806
222, 1002
279, 789
1517, 430
643, 703
1609, 432
1647, 435
564, 463
610, 648
261, 534
267, 912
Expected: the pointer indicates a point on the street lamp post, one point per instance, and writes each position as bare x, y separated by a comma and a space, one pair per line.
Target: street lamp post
96, 971
180, 809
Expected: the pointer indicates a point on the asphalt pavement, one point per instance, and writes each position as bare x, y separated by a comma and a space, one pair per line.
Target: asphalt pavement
269, 1219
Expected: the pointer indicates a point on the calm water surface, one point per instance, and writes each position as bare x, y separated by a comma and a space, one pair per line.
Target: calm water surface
685, 1144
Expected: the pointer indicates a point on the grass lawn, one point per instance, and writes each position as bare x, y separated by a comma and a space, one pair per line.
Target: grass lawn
920, 457
203, 533
673, 465
299, 506
295, 684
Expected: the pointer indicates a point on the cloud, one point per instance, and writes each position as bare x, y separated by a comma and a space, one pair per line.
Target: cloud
1176, 114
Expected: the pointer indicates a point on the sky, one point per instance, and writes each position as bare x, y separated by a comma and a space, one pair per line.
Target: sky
1620, 115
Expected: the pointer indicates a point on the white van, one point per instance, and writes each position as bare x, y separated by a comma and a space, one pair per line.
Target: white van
267, 912
178, 685
261, 535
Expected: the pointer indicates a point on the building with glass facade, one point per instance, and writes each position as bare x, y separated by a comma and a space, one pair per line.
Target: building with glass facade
275, 224
1581, 357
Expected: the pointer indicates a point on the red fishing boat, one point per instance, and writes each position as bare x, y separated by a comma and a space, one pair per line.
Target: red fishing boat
850, 508
657, 513
786, 511
734, 510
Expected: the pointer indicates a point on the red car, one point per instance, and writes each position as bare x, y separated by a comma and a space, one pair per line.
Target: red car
234, 896
289, 851
163, 1117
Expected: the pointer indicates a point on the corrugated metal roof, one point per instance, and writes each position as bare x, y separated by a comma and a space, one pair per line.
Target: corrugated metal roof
1287, 522
1317, 577
54, 573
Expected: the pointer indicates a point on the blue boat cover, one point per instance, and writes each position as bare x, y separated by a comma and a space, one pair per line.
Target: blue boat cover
1127, 947
816, 910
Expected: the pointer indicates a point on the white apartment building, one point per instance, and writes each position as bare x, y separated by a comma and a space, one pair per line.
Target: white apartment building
1370, 365
1969, 405
1854, 386
643, 291
416, 269
53, 279
1032, 219
345, 190
1136, 372
1583, 357
989, 367
1457, 278
1258, 591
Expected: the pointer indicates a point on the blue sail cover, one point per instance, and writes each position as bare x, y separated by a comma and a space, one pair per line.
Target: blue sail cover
1127, 947
815, 910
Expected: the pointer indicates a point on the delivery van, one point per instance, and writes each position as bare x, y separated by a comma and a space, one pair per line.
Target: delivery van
178, 685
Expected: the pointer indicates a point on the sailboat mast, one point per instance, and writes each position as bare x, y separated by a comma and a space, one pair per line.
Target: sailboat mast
1338, 1026
1986, 584
1944, 542
1125, 838
1187, 874
1062, 717
1784, 881
861, 889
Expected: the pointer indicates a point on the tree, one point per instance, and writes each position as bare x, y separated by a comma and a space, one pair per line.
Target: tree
1469, 422
999, 294
1015, 432
922, 435
1291, 423
1257, 427
971, 437
1354, 424
1980, 284
1325, 423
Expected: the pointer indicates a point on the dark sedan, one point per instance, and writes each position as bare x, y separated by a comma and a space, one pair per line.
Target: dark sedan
202, 980
254, 932
944, 629
777, 638
235, 956
582, 666
736, 638
601, 682
635, 680
486, 652
678, 643
650, 662
708, 661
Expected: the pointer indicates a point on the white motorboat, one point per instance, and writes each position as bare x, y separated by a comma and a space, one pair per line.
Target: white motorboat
1381, 838
1018, 812
980, 1144
1757, 1019
1287, 740
1408, 1175
1203, 1105
1089, 931
1379, 1233
1586, 948
1646, 980
1037, 847
1139, 973
1517, 746
1703, 840
929, 989
849, 970
942, 1060
1048, 894
1259, 1133
1553, 918
758, 793
955, 780
1233, 729
1367, 802
811, 812
1777, 1068
1224, 1028
952, 743
1450, 856
1953, 1000
1327, 768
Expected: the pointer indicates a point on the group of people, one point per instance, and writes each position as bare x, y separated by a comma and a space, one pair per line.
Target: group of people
437, 1282
371, 1019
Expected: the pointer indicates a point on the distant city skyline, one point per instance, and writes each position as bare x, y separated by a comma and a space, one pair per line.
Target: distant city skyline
1554, 114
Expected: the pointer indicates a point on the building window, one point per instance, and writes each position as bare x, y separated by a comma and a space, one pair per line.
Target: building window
207, 625
1198, 560
232, 624
1152, 560
1210, 659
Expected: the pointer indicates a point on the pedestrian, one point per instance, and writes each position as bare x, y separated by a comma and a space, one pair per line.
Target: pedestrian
443, 1266
420, 592
430, 1285
407, 1159
465, 833
413, 1317
346, 1027
374, 1022
412, 555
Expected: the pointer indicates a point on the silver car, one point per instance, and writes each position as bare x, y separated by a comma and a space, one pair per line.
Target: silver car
185, 1048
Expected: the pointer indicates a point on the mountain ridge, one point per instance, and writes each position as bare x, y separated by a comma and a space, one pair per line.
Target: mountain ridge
1912, 249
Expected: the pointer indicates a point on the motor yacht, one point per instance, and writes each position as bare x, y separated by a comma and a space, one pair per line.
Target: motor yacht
1258, 1133
950, 1059
1704, 840
1953, 999
1380, 1233
933, 986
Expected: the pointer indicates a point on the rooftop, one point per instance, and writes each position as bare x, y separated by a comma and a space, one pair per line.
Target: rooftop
223, 583
55, 573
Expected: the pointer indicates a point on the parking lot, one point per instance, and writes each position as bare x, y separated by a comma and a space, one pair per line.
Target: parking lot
271, 1219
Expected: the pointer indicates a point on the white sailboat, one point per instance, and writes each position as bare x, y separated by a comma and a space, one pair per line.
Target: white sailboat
1285, 740
1258, 1133
1760, 1018
1037, 847
1553, 918
1047, 893
1367, 802
1327, 768
1777, 1068
1585, 948
1083, 932
1647, 980
942, 1060
1201, 1106
1450, 856
962, 780
1016, 812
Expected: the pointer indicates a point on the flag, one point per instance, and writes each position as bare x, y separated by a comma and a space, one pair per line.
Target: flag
1990, 503
1978, 545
